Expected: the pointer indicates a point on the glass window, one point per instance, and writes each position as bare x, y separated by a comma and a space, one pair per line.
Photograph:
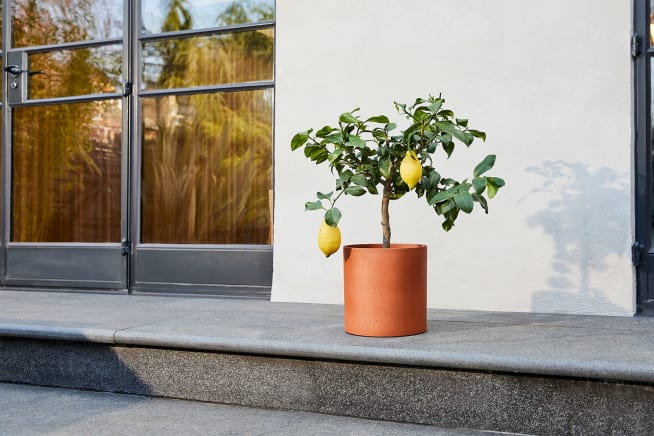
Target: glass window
84, 71
47, 22
172, 15
66, 173
207, 168
209, 60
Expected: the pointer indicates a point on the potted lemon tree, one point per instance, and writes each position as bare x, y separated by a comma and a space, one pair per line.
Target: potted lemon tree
385, 284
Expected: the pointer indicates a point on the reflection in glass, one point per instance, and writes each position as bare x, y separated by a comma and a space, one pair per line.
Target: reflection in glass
171, 15
209, 60
76, 72
207, 168
66, 173
57, 21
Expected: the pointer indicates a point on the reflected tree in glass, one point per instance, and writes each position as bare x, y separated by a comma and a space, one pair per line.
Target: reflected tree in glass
66, 157
207, 158
43, 22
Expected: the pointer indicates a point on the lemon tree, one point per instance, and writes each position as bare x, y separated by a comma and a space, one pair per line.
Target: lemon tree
367, 157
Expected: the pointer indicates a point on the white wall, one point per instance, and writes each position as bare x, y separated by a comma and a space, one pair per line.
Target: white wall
550, 83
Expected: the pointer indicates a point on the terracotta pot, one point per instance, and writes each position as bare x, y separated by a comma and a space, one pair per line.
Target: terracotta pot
385, 289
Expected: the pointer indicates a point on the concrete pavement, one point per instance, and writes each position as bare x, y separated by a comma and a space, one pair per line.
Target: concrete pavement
31, 410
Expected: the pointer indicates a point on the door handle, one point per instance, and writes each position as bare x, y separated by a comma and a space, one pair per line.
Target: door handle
15, 71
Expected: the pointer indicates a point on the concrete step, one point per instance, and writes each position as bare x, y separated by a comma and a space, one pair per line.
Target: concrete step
533, 374
56, 411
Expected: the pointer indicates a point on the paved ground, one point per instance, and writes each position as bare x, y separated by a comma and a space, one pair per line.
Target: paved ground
29, 410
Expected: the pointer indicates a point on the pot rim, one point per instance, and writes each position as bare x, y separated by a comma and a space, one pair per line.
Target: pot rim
394, 246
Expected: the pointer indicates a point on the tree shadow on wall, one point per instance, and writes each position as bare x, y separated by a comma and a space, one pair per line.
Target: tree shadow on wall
587, 217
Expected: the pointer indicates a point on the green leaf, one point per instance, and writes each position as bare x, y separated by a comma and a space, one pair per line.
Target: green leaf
312, 205
355, 191
436, 105
324, 131
440, 197
464, 137
347, 117
381, 119
479, 184
385, 167
299, 140
444, 208
421, 114
481, 200
373, 189
359, 179
449, 148
335, 155
446, 113
322, 196
478, 134
336, 138
434, 178
356, 142
390, 126
346, 175
464, 201
462, 122
332, 217
493, 184
447, 225
450, 128
316, 153
496, 181
484, 165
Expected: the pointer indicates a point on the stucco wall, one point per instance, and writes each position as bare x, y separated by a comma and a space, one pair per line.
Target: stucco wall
550, 83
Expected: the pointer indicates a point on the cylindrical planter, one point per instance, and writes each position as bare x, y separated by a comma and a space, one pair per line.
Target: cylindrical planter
385, 289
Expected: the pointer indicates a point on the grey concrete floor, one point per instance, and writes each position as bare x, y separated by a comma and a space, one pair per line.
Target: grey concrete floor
35, 410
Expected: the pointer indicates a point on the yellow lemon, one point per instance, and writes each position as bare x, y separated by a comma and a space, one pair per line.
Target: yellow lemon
410, 169
329, 239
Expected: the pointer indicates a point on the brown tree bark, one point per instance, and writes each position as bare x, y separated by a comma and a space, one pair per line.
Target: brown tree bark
385, 223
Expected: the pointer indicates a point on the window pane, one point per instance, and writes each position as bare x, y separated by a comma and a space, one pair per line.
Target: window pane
66, 173
207, 168
210, 60
76, 72
56, 21
171, 15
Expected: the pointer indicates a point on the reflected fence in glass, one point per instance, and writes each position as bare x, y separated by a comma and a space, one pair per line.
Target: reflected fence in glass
207, 168
66, 184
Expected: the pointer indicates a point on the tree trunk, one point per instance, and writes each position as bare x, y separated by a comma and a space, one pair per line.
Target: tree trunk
386, 226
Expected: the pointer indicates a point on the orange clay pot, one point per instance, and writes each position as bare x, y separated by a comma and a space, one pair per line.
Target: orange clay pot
385, 289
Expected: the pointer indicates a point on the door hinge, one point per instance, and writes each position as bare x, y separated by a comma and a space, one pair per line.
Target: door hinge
127, 89
125, 248
636, 45
637, 252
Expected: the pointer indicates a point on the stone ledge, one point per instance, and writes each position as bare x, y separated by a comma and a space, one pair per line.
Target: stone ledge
589, 347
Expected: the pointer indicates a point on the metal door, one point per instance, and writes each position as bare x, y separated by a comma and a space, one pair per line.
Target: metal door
139, 145
642, 49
